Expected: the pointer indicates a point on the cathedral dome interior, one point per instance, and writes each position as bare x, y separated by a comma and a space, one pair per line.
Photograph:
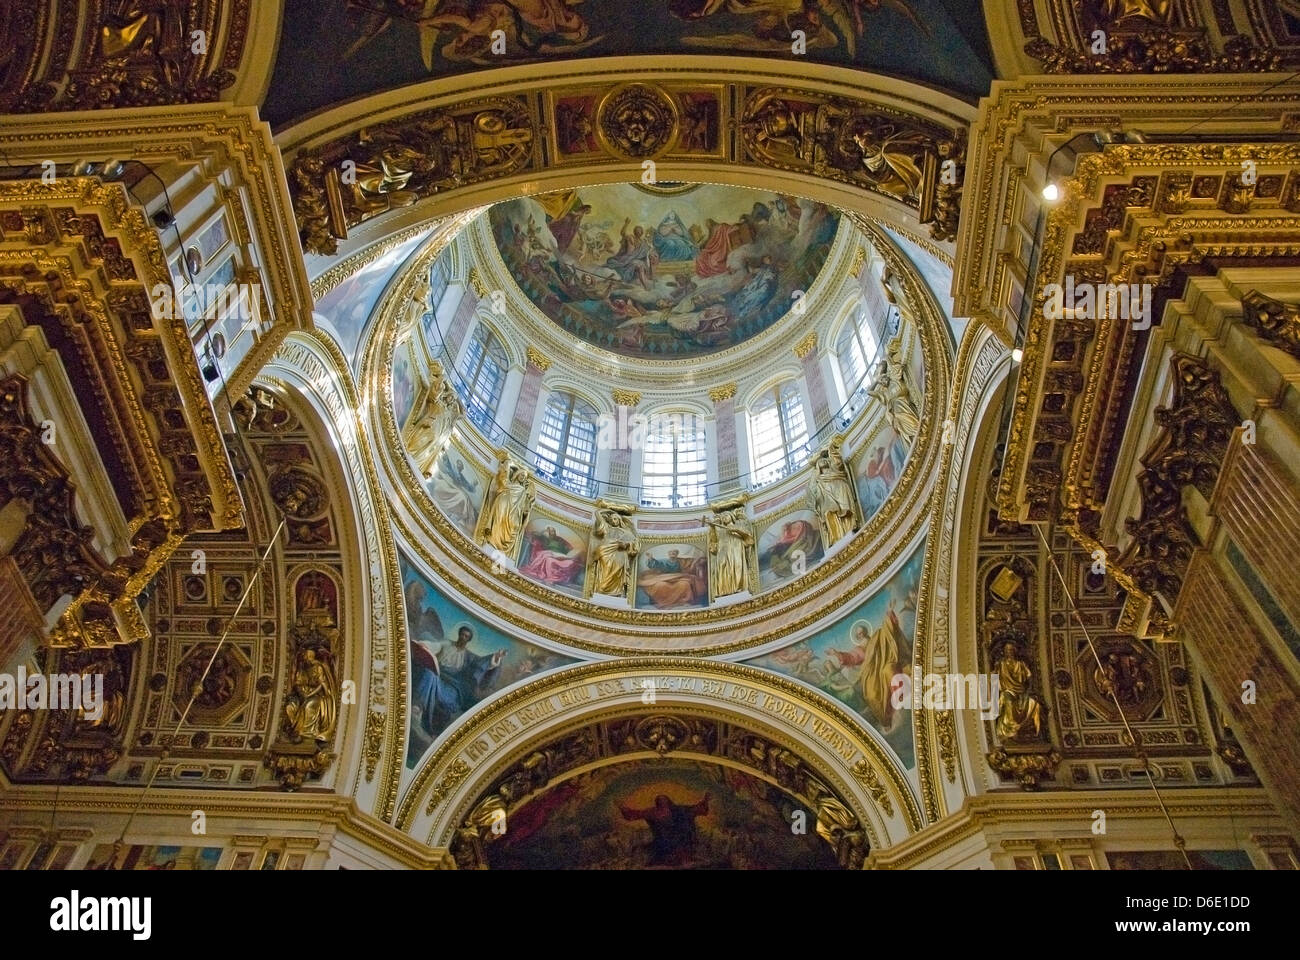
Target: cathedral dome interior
698, 434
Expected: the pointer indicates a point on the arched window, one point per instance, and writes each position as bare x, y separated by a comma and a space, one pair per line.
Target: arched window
674, 465
856, 351
483, 377
778, 433
566, 445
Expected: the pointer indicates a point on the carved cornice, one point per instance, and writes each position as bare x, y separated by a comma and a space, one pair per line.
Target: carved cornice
902, 147
1189, 451
135, 376
1096, 38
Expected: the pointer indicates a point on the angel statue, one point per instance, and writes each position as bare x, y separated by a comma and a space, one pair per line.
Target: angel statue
428, 430
512, 497
613, 551
729, 544
832, 494
891, 389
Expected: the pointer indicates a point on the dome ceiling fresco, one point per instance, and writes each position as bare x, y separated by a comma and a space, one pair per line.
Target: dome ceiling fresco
666, 272
334, 50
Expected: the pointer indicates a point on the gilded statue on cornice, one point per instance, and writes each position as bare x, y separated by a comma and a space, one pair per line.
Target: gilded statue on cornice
730, 544
429, 428
613, 552
511, 500
832, 494
892, 390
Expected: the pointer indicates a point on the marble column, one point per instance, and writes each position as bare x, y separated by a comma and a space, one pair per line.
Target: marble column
724, 425
810, 357
521, 426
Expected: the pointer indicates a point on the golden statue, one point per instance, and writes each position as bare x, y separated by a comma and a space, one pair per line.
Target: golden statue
729, 544
428, 431
312, 708
614, 549
1019, 711
832, 494
512, 498
1156, 11
895, 396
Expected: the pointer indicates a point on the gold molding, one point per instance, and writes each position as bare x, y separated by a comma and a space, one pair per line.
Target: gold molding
626, 398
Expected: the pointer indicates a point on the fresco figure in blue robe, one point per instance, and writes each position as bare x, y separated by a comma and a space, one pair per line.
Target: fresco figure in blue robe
673, 241
450, 679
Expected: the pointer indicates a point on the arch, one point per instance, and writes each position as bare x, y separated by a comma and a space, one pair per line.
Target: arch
843, 755
935, 124
312, 369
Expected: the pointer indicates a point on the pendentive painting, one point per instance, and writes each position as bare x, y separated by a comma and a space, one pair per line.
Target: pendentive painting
663, 271
348, 306
457, 486
672, 576
661, 814
456, 660
876, 469
554, 553
788, 548
857, 658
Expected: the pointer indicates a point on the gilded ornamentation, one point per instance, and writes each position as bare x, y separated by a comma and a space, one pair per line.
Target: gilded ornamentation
865, 774
342, 183
1141, 36
536, 359
311, 709
945, 731
509, 503
453, 778
733, 568
806, 346
1275, 322
637, 121
133, 53
627, 398
873, 147
614, 547
298, 494
1026, 768
833, 497
374, 742
725, 392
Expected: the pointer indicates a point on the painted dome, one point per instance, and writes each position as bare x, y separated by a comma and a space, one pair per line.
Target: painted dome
669, 271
